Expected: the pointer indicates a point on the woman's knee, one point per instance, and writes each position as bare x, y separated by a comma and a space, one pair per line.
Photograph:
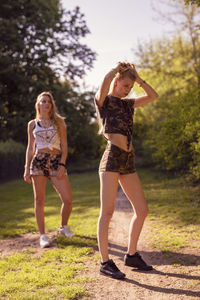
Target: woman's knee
39, 201
67, 201
142, 212
67, 206
106, 216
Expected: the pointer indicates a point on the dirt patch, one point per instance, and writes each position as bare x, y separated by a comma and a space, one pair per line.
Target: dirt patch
25, 242
168, 280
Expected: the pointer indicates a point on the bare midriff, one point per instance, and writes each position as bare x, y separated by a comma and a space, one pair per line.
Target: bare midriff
47, 150
118, 140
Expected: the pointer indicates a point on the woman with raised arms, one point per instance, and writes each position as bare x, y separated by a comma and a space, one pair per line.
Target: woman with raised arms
115, 116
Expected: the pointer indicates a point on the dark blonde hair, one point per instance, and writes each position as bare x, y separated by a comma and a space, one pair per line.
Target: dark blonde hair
123, 74
54, 116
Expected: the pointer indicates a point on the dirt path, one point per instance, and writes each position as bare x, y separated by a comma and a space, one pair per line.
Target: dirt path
167, 282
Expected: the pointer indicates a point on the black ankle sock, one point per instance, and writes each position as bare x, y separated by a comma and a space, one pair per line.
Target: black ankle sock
130, 255
103, 263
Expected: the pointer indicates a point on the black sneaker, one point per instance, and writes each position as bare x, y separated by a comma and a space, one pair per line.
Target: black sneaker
136, 261
110, 269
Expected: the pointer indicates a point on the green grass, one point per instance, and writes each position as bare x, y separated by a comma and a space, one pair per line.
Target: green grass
174, 211
17, 214
53, 275
58, 273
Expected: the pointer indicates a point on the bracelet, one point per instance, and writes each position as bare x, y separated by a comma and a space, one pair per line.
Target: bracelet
61, 164
143, 81
113, 71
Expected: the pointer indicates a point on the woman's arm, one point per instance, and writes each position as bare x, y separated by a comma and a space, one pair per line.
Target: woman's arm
64, 147
29, 151
105, 85
151, 94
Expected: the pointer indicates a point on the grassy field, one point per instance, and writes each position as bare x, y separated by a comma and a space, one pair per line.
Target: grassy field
174, 211
58, 272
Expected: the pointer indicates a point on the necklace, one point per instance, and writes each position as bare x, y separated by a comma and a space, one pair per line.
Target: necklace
45, 123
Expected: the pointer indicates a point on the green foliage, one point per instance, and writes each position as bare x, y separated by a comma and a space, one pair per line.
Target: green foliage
197, 2
82, 132
174, 144
168, 64
12, 156
39, 42
168, 128
195, 150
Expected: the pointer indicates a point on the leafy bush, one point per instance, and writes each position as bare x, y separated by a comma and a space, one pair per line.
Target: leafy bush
12, 157
175, 138
195, 164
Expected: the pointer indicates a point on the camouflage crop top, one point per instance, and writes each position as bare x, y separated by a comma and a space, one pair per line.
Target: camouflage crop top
116, 116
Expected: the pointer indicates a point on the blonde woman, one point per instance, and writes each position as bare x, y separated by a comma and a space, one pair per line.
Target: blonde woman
115, 115
45, 159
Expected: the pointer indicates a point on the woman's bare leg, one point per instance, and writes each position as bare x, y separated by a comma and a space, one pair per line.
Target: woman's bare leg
132, 187
108, 192
62, 187
39, 186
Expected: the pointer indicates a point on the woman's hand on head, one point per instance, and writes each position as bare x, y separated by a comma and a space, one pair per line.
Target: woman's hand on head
123, 66
132, 67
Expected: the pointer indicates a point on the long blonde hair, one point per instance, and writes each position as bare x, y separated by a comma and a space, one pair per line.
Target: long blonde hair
120, 75
54, 116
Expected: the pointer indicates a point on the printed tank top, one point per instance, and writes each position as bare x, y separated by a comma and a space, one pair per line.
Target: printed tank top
46, 137
117, 116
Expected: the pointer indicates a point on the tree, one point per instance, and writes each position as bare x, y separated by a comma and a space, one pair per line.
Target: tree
171, 64
175, 139
170, 126
39, 42
186, 19
197, 2
82, 132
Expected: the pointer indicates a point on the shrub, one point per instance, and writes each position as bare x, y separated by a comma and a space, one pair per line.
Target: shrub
173, 139
12, 157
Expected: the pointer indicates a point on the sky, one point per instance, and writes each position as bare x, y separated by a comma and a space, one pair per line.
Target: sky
116, 27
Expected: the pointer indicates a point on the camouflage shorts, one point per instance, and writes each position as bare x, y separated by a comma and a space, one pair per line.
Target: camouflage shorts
118, 160
45, 164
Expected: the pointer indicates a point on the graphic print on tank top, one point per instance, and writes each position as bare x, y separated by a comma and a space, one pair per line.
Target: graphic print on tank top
45, 136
